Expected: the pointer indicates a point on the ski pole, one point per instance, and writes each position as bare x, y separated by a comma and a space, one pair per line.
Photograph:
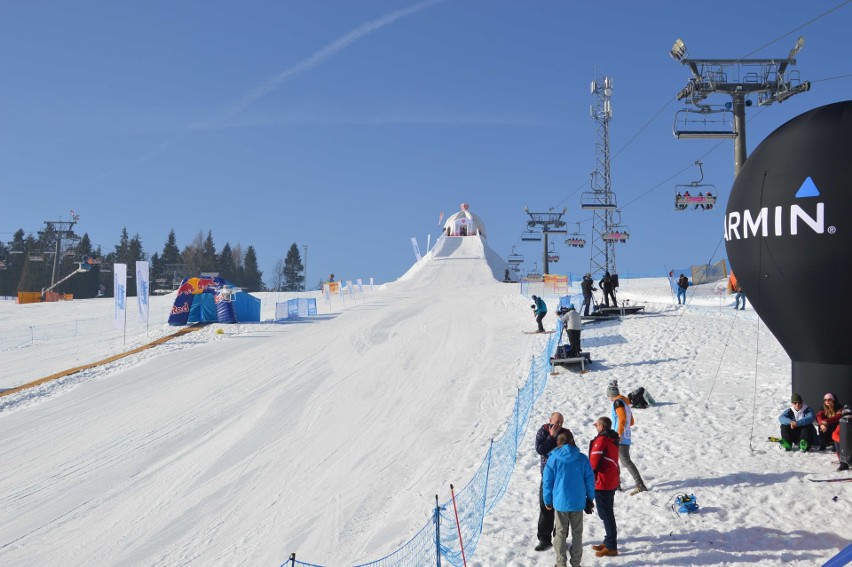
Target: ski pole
458, 526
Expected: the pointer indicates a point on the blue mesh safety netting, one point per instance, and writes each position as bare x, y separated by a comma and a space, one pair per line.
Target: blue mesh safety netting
482, 492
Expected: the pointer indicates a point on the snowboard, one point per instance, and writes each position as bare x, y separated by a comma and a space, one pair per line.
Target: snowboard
844, 479
536, 332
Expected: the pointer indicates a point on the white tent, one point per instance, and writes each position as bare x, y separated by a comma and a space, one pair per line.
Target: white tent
464, 223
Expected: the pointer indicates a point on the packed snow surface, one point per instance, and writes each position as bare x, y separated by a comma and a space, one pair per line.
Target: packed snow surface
330, 436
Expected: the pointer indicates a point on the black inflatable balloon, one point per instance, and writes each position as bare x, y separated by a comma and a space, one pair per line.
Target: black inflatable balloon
788, 233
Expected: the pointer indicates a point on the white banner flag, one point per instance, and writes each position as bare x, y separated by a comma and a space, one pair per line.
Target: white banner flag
416, 248
142, 283
119, 292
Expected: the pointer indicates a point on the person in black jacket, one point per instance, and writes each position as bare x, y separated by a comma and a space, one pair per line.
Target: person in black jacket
682, 286
607, 284
545, 442
588, 286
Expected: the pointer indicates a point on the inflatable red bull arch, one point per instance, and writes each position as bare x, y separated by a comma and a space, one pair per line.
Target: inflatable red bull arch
212, 299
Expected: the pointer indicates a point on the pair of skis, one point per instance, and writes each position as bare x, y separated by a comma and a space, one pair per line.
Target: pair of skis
843, 479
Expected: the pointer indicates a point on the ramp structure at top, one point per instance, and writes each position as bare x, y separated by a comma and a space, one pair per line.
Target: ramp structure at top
464, 223
460, 256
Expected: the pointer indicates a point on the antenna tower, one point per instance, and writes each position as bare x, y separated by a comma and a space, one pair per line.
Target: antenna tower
602, 199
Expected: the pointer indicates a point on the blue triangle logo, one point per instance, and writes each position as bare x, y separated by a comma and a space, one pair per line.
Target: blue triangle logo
808, 189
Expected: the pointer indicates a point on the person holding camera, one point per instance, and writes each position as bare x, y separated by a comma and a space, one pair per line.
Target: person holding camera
568, 488
587, 286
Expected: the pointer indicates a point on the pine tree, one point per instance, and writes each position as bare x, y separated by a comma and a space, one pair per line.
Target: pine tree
208, 254
252, 276
294, 277
122, 249
171, 266
225, 264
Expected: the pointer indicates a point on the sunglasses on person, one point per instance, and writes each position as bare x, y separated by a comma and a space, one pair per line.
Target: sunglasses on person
796, 403
828, 399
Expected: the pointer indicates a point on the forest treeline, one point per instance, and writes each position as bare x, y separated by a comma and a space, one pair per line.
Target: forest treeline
34, 262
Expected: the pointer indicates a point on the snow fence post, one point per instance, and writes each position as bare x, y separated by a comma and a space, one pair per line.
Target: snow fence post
517, 401
292, 559
485, 491
437, 521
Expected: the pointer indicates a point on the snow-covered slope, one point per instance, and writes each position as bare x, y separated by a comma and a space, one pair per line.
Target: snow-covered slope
329, 437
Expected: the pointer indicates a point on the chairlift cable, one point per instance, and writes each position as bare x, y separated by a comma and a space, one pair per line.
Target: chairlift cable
647, 124
846, 76
719, 368
794, 30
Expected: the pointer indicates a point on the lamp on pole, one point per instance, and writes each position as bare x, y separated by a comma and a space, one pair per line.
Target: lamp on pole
305, 275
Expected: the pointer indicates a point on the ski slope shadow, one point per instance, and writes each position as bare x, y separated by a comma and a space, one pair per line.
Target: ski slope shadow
753, 545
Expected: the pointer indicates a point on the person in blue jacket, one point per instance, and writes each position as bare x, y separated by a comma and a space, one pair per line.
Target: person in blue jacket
797, 425
540, 308
568, 486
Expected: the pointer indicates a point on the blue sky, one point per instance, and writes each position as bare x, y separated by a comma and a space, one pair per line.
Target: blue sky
349, 126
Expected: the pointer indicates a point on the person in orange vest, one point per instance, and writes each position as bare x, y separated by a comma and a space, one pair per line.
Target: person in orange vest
622, 421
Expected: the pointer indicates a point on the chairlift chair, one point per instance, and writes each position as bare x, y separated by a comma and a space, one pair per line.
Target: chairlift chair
616, 234
552, 256
596, 200
704, 122
515, 258
531, 236
576, 239
700, 195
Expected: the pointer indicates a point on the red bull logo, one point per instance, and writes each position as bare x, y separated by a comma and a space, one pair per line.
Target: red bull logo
192, 286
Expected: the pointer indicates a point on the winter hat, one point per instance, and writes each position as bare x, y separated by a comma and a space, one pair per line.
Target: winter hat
535, 297
795, 398
612, 389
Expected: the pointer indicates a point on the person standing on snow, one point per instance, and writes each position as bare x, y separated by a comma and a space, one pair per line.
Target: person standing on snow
622, 419
588, 286
540, 310
603, 456
573, 325
682, 285
568, 486
545, 442
607, 284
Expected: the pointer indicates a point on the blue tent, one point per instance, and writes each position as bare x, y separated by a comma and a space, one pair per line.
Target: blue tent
207, 300
203, 309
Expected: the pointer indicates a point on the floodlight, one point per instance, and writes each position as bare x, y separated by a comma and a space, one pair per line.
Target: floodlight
796, 48
678, 51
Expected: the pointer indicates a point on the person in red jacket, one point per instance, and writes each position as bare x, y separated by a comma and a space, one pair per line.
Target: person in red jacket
603, 456
828, 419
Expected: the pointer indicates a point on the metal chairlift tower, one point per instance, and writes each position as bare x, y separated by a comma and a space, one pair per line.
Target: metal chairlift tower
57, 230
770, 80
601, 200
550, 223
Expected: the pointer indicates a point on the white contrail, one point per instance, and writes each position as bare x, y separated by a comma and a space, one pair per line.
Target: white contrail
274, 82
318, 58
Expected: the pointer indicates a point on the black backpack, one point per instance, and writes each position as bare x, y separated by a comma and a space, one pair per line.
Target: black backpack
637, 398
